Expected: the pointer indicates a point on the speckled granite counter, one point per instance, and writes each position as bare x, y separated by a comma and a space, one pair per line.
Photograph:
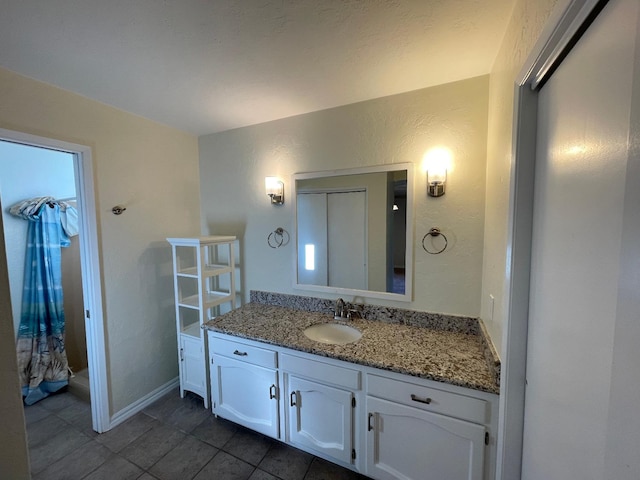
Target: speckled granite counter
437, 354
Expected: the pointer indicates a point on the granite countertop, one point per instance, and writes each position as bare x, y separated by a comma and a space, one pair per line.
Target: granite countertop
443, 356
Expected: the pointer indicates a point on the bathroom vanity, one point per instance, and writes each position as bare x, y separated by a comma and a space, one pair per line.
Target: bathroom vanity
402, 402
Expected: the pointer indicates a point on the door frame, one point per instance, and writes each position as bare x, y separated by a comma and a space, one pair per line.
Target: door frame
90, 267
563, 29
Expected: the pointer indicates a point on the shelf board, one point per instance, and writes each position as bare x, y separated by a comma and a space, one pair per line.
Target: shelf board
216, 298
190, 302
209, 271
192, 330
200, 241
211, 299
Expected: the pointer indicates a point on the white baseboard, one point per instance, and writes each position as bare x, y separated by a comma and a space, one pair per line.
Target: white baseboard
130, 410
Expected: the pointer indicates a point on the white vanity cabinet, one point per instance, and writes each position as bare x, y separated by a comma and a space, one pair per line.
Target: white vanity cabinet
380, 423
417, 432
244, 384
321, 405
204, 287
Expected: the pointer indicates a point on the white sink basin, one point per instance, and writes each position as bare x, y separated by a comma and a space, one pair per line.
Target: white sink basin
333, 333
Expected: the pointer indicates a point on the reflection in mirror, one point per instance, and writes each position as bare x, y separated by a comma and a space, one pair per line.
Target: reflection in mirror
353, 231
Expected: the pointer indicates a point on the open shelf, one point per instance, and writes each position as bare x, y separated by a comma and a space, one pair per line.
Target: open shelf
204, 286
211, 299
192, 330
208, 271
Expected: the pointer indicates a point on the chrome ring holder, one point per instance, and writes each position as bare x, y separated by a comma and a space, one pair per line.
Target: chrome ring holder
278, 238
435, 232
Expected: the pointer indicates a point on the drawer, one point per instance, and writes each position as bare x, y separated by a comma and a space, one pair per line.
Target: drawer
321, 371
241, 351
426, 398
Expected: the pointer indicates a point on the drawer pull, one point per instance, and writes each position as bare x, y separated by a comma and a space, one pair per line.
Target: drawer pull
272, 392
292, 401
415, 398
369, 427
242, 354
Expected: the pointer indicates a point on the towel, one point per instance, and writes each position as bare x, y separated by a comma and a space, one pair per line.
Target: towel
30, 210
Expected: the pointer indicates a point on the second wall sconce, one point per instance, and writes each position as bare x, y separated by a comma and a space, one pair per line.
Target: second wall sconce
436, 163
436, 181
275, 190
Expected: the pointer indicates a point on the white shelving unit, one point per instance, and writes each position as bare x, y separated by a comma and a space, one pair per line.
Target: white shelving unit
204, 284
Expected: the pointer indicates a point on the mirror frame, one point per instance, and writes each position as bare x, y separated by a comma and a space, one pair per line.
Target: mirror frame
408, 290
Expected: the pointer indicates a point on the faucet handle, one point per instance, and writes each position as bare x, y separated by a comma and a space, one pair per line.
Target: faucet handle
353, 312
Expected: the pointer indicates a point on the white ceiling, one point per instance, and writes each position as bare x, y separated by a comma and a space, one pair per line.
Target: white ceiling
208, 66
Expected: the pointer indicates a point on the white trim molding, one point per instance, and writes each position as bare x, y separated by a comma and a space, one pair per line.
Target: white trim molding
562, 31
142, 403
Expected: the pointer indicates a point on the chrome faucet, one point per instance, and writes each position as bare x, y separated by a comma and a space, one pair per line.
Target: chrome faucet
340, 311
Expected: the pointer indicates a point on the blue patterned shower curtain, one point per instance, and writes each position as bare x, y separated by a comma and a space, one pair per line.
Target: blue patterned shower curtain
42, 360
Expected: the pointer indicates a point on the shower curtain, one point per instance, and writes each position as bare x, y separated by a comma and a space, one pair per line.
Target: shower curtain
42, 360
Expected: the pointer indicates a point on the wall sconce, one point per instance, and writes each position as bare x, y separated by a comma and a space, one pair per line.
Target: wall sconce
436, 163
275, 189
436, 181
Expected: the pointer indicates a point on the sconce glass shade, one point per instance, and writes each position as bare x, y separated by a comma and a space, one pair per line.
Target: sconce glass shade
436, 162
275, 190
436, 181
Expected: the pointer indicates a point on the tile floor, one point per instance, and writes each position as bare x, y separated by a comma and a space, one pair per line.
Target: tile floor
171, 439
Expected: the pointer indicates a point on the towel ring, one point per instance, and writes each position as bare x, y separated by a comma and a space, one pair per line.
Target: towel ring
435, 232
278, 238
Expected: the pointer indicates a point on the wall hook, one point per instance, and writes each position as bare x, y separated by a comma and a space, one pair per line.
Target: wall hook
118, 209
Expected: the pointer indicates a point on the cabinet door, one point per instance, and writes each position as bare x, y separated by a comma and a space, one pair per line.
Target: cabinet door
246, 394
192, 366
320, 417
408, 443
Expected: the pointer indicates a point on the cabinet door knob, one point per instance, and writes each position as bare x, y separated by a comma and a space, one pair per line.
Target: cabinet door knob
415, 398
182, 354
238, 352
292, 401
272, 392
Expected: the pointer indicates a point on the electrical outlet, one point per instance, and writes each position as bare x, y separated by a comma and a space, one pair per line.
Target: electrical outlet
491, 303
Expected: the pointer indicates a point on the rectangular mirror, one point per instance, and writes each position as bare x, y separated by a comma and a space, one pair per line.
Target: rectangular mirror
354, 231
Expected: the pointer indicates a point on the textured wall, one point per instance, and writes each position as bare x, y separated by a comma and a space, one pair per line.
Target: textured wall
14, 455
529, 17
151, 169
395, 129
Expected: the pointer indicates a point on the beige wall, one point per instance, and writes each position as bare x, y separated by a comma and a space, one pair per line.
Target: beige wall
152, 170
395, 129
527, 21
14, 460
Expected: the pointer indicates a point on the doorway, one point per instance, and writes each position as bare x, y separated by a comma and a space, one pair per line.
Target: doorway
88, 307
28, 172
